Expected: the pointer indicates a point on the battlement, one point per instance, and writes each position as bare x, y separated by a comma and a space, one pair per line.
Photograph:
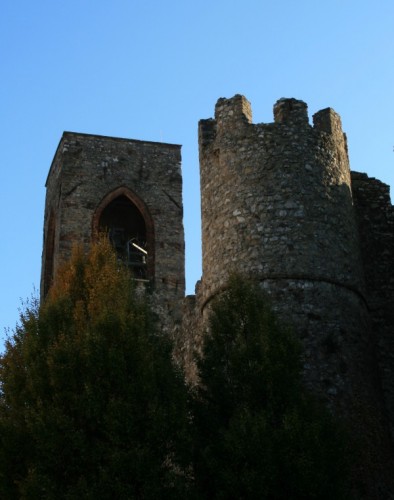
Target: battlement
327, 120
234, 114
233, 109
291, 111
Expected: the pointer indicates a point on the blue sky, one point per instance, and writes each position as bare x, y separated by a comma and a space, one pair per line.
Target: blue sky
150, 69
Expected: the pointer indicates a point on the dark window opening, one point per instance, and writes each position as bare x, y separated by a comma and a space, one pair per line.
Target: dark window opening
126, 229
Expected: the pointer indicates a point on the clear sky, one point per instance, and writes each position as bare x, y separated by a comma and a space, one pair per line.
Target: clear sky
150, 69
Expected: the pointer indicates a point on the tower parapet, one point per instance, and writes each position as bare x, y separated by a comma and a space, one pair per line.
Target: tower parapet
233, 112
291, 111
327, 120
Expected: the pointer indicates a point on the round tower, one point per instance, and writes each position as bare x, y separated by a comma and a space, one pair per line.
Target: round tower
277, 206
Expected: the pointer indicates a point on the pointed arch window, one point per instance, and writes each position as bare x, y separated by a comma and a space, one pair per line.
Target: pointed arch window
126, 221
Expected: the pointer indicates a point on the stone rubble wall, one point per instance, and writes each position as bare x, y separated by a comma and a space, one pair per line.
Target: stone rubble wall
375, 215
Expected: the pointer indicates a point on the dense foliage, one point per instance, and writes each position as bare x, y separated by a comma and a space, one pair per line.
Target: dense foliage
91, 405
258, 435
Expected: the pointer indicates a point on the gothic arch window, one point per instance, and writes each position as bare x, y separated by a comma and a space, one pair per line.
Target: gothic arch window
126, 220
49, 254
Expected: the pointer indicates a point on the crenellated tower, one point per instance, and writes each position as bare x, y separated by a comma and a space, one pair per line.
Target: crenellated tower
277, 206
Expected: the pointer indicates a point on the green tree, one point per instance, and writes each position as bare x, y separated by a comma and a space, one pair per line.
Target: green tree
91, 405
258, 434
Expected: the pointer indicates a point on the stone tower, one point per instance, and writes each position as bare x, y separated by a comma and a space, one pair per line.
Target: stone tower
130, 189
278, 206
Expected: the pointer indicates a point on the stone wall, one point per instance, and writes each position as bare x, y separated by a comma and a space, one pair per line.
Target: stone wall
375, 215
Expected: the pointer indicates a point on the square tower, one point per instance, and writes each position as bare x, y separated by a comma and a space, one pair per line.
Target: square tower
130, 189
